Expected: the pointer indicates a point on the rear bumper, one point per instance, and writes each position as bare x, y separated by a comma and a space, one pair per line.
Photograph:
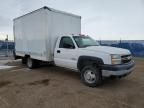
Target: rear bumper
117, 70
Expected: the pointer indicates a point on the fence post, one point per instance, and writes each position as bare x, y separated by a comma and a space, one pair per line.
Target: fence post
6, 40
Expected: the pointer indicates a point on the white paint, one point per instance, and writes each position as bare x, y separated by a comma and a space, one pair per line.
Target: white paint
67, 57
36, 33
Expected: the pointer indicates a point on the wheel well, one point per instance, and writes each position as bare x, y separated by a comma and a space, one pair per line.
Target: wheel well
26, 56
88, 60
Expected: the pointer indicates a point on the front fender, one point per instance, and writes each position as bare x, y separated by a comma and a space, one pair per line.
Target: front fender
87, 60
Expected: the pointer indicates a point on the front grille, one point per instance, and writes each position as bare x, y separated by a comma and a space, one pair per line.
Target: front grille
126, 58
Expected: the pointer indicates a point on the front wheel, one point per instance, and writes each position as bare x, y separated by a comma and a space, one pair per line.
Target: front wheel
91, 76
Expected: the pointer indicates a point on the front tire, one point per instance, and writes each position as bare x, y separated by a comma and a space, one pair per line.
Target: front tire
91, 76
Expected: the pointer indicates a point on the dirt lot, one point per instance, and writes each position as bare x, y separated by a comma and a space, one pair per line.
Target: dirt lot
53, 87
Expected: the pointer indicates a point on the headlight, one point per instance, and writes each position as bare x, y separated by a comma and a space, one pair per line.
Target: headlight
116, 59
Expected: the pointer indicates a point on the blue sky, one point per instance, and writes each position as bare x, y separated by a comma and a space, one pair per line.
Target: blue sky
101, 19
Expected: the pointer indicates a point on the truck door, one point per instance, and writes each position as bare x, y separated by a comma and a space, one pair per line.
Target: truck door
65, 54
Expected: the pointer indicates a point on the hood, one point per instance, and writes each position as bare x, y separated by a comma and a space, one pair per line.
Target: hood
109, 50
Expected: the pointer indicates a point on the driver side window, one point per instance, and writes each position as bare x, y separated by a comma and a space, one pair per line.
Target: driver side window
66, 42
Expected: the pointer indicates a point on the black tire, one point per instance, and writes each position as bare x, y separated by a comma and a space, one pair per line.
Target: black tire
24, 60
31, 63
91, 76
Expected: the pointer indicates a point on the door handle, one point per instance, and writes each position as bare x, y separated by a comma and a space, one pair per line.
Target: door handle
58, 51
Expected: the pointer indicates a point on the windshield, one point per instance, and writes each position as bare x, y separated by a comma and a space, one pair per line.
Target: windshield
85, 41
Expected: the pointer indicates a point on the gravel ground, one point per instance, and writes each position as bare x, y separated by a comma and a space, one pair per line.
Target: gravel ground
54, 87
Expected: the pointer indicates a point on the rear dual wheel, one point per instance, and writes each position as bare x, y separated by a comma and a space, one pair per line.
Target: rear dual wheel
32, 63
24, 60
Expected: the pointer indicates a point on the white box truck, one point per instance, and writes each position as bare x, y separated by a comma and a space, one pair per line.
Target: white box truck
53, 36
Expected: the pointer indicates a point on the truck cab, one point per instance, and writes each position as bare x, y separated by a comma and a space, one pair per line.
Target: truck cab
83, 54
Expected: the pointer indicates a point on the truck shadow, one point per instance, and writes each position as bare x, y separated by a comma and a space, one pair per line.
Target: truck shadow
72, 75
59, 71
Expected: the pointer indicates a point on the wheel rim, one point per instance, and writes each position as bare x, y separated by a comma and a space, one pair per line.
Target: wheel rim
89, 76
29, 62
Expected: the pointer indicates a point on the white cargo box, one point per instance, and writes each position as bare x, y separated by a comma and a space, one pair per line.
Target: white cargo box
36, 33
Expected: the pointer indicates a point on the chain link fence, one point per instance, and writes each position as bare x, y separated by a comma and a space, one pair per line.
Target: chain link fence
6, 48
6, 52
